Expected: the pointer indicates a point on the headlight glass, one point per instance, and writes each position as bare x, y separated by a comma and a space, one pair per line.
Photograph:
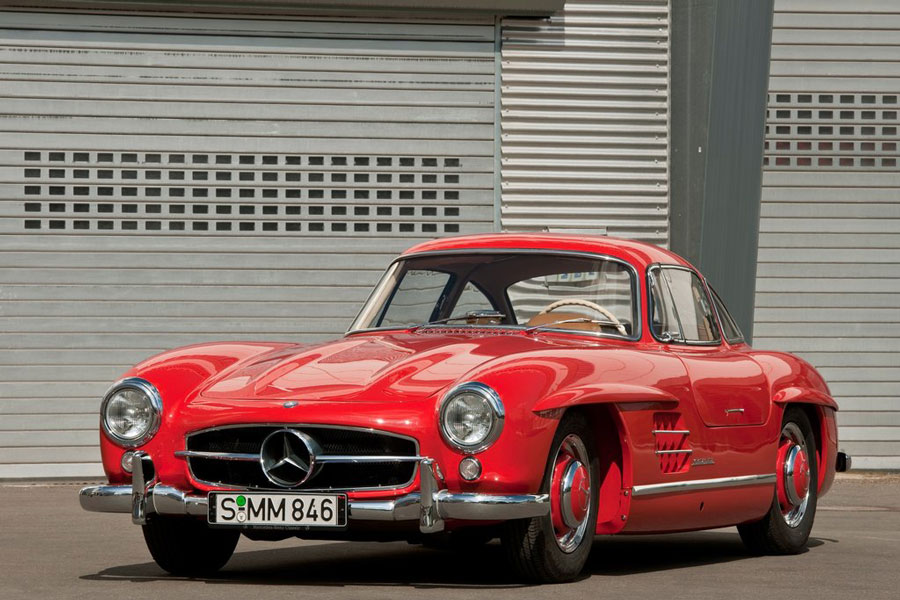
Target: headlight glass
471, 417
131, 412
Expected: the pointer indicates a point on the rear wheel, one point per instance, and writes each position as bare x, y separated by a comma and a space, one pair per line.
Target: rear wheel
184, 546
554, 548
786, 527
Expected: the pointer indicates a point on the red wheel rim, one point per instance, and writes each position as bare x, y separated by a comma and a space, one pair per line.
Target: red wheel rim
570, 493
794, 475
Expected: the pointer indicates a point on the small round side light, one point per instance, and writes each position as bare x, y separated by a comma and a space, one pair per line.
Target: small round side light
470, 468
128, 461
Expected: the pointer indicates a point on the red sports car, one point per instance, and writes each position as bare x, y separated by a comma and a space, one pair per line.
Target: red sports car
537, 388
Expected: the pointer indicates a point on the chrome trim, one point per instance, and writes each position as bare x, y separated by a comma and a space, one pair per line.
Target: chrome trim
729, 411
286, 456
217, 455
340, 458
677, 431
429, 507
656, 266
220, 484
637, 329
702, 484
429, 518
714, 295
142, 479
685, 451
565, 495
493, 400
156, 403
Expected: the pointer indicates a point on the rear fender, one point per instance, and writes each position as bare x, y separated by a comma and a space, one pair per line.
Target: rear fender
803, 395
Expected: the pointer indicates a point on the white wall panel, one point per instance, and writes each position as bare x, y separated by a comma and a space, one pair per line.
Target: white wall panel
829, 245
584, 115
173, 180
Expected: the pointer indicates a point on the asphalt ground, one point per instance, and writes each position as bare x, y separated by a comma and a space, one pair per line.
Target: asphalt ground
50, 548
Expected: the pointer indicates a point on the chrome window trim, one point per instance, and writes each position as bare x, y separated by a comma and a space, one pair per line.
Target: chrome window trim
637, 328
731, 341
156, 403
219, 484
494, 401
660, 266
653, 489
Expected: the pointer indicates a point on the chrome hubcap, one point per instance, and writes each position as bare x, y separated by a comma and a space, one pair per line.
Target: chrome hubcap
794, 475
570, 493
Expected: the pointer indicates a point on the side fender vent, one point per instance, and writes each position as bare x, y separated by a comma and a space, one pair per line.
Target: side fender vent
672, 446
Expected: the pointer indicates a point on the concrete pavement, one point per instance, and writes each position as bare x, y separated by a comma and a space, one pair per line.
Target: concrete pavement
50, 548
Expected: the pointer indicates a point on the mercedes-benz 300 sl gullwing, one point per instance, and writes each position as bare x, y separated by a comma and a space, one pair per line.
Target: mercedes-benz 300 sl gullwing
536, 388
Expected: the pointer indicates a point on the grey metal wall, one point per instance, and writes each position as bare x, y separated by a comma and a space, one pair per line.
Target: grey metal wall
584, 116
165, 181
829, 245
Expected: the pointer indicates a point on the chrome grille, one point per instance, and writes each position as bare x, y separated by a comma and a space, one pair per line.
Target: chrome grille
343, 443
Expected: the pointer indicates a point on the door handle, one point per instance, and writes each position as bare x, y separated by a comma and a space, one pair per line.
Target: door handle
729, 411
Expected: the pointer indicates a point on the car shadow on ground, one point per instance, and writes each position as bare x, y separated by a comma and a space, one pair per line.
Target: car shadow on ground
401, 564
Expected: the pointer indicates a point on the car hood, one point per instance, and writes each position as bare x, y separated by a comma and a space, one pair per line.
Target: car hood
367, 367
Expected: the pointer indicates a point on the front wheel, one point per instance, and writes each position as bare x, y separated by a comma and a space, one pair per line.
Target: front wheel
554, 548
184, 546
786, 527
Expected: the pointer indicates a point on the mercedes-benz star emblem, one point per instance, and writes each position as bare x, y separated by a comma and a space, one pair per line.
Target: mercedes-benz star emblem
288, 457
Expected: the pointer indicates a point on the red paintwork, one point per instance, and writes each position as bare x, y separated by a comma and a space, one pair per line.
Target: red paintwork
393, 380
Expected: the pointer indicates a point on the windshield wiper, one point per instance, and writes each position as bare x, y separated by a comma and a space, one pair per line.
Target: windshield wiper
562, 321
472, 314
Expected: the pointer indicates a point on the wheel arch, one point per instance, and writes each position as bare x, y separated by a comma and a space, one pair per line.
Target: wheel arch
614, 456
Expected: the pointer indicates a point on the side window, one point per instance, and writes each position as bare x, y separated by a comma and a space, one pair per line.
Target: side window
663, 321
690, 304
471, 299
415, 299
729, 327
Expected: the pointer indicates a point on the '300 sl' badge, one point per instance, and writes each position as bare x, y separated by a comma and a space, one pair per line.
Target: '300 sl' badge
699, 462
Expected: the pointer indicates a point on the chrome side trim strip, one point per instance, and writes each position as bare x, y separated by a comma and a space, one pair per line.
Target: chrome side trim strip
674, 431
702, 484
685, 451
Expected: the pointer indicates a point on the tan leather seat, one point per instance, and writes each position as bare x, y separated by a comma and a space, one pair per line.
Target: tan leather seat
550, 317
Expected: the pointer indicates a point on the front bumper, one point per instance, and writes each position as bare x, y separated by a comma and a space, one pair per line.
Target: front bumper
430, 506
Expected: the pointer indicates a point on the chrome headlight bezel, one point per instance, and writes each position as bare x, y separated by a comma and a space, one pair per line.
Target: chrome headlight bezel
153, 397
491, 398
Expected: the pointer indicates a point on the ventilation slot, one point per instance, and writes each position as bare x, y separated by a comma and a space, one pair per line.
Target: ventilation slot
672, 447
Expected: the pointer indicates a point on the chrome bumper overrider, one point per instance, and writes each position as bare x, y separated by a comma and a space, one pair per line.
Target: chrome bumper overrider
430, 506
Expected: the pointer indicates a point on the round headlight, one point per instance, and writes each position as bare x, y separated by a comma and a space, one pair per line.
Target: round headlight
471, 417
130, 413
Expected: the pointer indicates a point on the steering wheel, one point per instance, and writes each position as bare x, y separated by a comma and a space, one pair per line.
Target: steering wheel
586, 303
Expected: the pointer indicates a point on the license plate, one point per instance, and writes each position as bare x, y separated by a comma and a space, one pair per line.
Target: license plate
265, 509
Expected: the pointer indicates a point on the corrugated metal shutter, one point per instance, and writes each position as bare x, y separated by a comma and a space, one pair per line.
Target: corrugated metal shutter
829, 256
585, 120
165, 181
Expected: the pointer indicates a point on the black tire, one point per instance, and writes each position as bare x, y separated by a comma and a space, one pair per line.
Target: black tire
188, 547
772, 534
530, 545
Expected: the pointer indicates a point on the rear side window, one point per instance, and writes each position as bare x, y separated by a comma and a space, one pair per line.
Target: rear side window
729, 327
683, 296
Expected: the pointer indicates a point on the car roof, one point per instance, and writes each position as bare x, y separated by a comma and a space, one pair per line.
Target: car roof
639, 254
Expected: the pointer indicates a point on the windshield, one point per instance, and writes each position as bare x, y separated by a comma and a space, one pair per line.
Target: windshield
505, 289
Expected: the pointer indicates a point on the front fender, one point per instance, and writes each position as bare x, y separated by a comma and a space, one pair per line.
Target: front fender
605, 393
